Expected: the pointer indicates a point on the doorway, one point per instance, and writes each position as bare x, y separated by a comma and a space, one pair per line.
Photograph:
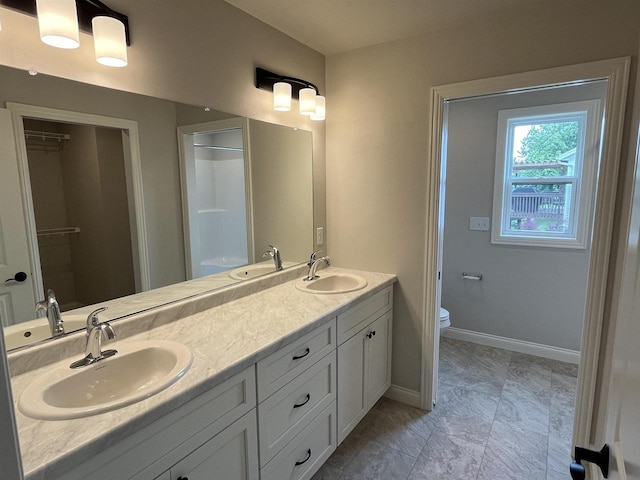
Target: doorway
615, 73
79, 194
81, 206
518, 219
215, 172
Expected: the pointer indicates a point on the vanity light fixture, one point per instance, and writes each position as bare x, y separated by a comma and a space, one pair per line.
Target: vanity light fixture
61, 20
285, 88
109, 41
282, 96
58, 22
307, 101
320, 112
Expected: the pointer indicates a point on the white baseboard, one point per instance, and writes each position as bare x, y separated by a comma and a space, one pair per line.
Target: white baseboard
520, 346
404, 395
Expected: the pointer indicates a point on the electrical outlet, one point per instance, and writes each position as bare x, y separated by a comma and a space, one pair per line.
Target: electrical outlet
479, 223
319, 236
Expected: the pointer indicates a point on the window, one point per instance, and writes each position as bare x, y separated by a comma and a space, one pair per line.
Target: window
544, 181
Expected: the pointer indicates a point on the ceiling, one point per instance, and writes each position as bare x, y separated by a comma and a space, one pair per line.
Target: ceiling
334, 26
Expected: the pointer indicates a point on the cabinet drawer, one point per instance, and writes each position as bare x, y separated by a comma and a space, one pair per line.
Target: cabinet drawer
306, 453
282, 366
288, 411
356, 318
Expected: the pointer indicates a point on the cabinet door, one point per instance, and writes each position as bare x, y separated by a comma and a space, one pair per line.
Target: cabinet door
352, 394
230, 455
378, 357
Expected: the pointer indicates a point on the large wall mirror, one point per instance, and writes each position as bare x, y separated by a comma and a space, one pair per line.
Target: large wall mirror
111, 195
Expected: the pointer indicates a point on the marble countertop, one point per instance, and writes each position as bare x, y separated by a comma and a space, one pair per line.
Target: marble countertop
224, 340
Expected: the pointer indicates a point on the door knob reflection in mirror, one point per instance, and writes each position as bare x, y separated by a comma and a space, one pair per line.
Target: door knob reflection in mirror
18, 278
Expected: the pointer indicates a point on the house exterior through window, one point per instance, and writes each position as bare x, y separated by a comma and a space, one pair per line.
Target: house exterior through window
546, 159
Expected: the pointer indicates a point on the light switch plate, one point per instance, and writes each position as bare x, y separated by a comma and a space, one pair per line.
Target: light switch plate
479, 223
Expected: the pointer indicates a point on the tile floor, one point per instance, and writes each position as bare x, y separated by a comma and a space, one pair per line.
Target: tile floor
500, 415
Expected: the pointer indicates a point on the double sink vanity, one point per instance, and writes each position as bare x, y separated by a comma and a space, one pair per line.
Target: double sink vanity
260, 380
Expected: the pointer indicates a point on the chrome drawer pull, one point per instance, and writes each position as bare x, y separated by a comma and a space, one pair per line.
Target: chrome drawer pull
298, 405
298, 357
306, 459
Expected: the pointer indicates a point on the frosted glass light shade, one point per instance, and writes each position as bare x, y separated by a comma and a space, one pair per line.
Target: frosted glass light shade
307, 101
109, 41
282, 96
58, 22
321, 109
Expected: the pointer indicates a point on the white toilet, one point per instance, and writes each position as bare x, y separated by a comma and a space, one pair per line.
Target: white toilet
444, 319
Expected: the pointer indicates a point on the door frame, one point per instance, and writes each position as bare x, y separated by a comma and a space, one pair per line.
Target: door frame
21, 111
616, 72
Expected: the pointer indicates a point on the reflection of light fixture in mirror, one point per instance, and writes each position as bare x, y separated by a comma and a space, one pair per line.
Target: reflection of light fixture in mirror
58, 21
321, 109
307, 101
282, 96
285, 88
110, 41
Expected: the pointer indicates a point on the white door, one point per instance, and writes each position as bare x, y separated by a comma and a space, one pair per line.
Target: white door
17, 297
623, 407
352, 393
378, 358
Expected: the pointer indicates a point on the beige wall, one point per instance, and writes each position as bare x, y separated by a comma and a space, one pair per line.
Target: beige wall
281, 191
378, 130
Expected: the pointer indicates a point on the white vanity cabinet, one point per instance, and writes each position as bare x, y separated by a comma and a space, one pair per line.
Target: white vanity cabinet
297, 421
364, 358
280, 418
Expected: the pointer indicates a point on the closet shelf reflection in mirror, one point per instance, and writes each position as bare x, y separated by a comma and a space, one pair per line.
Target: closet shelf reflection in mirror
58, 231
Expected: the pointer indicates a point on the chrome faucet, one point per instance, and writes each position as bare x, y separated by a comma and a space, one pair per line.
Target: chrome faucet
49, 307
313, 258
93, 348
275, 254
313, 266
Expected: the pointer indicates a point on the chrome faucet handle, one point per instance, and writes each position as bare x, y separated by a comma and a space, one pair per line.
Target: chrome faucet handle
41, 308
313, 257
92, 319
270, 253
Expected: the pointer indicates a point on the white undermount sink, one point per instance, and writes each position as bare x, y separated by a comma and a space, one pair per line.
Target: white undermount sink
138, 371
332, 283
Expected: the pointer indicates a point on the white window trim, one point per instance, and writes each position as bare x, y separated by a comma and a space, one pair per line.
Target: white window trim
584, 183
